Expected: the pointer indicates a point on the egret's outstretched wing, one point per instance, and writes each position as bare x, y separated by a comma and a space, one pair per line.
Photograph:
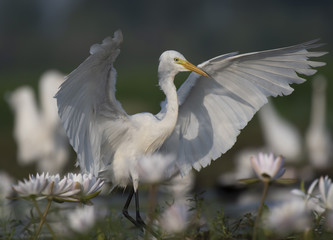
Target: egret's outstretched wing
214, 110
88, 107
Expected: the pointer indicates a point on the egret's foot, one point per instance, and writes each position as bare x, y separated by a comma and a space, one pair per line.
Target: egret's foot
136, 223
140, 221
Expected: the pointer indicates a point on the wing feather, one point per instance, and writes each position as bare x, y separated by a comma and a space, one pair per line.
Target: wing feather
213, 110
88, 108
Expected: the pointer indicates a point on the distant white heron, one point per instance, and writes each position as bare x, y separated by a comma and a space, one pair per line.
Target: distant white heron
196, 124
318, 140
37, 130
280, 135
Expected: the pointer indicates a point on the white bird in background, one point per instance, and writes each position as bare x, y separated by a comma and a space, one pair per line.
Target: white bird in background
38, 132
280, 136
196, 124
319, 143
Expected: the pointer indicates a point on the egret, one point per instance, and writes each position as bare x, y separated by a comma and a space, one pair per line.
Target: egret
279, 134
197, 123
37, 130
318, 140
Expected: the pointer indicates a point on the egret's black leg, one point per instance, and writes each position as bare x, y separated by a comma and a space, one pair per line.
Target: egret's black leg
137, 210
125, 209
138, 217
138, 222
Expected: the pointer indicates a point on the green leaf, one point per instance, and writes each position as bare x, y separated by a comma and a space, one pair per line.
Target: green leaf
286, 180
93, 195
303, 186
248, 180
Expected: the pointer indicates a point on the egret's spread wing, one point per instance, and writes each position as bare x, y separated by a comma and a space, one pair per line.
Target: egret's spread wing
214, 110
88, 107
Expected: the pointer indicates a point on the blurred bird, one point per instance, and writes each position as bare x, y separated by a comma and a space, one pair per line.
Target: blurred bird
318, 140
280, 135
37, 131
196, 124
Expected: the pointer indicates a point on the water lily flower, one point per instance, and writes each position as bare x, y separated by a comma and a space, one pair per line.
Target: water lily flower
82, 219
32, 187
176, 217
292, 216
61, 189
267, 168
310, 197
74, 187
155, 168
326, 192
88, 185
306, 196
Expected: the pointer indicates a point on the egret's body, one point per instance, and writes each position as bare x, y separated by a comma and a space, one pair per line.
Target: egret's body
197, 123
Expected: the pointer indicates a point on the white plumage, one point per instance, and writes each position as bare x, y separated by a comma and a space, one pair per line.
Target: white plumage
196, 124
281, 137
318, 140
37, 130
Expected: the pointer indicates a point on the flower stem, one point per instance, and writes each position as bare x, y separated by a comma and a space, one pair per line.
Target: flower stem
307, 235
43, 218
262, 202
151, 210
46, 223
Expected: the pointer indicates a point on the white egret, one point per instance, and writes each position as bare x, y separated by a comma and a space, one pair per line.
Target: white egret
197, 123
279, 134
37, 130
318, 140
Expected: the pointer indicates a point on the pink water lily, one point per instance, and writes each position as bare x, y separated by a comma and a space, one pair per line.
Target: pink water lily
268, 168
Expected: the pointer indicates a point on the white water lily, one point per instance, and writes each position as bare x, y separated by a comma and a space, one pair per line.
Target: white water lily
82, 219
292, 216
176, 217
306, 196
32, 187
74, 187
89, 185
326, 192
268, 168
62, 189
310, 197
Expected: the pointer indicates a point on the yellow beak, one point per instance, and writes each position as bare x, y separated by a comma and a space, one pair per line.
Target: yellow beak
193, 68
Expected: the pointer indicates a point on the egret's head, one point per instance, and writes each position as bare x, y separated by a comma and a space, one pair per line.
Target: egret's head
173, 61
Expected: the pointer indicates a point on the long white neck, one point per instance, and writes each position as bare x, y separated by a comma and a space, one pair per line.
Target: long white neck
168, 116
171, 115
318, 108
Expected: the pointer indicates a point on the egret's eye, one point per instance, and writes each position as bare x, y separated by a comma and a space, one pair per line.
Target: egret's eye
176, 59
